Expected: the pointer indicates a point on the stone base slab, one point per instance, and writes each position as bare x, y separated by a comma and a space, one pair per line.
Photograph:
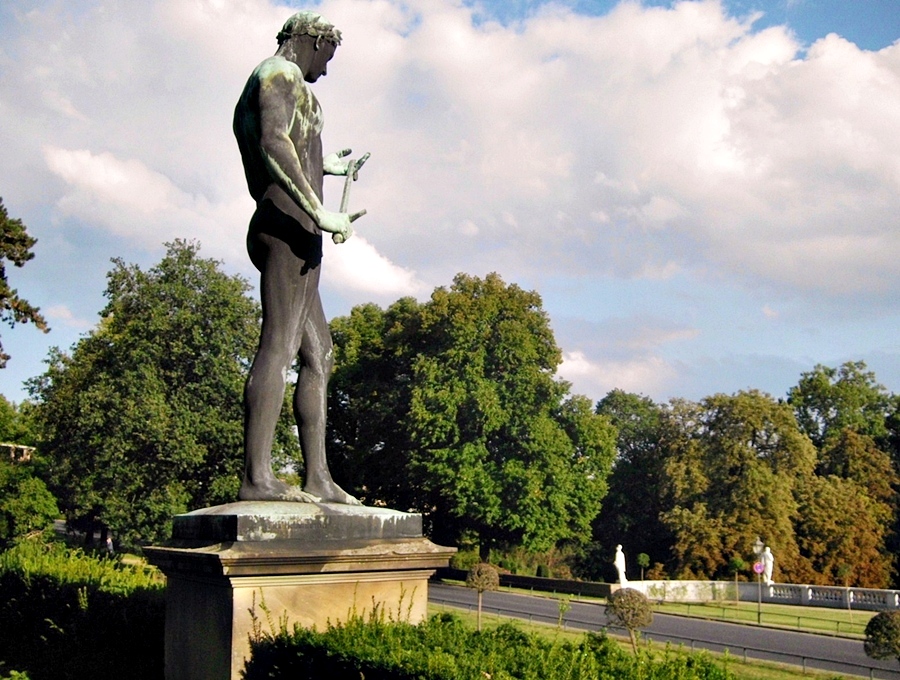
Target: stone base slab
223, 575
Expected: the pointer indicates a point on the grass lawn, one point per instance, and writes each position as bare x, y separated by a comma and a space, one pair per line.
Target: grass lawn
812, 619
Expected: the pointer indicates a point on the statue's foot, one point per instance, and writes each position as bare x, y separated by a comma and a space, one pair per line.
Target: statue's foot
275, 490
329, 492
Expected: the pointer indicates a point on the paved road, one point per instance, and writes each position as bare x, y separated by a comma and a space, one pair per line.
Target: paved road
833, 654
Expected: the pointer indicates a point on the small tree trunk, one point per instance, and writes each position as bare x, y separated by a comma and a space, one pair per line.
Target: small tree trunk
479, 609
633, 640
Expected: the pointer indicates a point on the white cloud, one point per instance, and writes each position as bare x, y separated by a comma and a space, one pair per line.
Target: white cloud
669, 139
131, 200
356, 266
63, 315
650, 375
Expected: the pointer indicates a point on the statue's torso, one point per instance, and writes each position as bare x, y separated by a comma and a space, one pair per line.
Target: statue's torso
277, 85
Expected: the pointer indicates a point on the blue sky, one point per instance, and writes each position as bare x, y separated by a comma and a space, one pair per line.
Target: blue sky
706, 195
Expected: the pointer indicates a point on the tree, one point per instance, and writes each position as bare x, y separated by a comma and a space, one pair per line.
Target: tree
883, 636
643, 561
143, 419
630, 609
734, 470
17, 423
26, 506
841, 531
736, 565
459, 394
829, 400
15, 246
482, 577
631, 510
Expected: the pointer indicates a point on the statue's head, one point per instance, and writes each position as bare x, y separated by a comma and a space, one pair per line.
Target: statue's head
310, 24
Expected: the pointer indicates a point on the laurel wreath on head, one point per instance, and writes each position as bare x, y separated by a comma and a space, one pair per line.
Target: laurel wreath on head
311, 24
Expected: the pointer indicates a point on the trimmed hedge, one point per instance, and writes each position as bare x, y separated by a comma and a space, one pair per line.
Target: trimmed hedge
65, 615
442, 648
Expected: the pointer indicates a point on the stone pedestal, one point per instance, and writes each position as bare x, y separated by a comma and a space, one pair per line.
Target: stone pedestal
313, 563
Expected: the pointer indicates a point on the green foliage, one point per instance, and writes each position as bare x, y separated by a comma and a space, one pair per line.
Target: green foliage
459, 394
431, 651
736, 565
17, 423
734, 470
883, 636
15, 247
65, 615
143, 420
630, 609
465, 559
483, 577
631, 511
840, 525
694, 483
830, 400
26, 506
543, 571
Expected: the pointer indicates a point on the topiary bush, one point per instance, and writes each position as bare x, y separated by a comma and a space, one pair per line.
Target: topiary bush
883, 636
482, 577
630, 609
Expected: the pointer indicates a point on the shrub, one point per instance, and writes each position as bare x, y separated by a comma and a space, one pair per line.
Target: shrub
883, 636
66, 615
630, 609
543, 571
442, 648
465, 560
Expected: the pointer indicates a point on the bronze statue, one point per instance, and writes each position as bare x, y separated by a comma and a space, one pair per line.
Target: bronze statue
278, 125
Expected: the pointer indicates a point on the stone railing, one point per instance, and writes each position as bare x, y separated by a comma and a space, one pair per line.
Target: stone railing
783, 593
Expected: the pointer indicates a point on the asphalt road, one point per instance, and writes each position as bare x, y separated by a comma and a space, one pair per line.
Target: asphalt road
838, 655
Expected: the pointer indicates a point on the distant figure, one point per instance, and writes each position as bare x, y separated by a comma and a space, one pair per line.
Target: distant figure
620, 566
768, 565
109, 546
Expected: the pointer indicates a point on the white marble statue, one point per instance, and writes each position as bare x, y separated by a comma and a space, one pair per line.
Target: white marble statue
768, 560
620, 566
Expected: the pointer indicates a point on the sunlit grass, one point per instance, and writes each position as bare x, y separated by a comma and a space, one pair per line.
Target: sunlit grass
750, 670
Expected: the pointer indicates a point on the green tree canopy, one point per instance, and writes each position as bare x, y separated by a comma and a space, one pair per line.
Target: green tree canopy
452, 408
829, 400
631, 511
143, 419
17, 423
15, 247
26, 505
733, 474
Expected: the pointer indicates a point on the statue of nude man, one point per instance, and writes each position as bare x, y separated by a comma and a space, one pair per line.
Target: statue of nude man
278, 125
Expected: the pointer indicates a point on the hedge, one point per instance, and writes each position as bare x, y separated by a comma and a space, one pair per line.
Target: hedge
65, 615
442, 648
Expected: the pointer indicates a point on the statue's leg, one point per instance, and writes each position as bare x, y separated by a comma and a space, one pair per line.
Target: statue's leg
310, 404
283, 293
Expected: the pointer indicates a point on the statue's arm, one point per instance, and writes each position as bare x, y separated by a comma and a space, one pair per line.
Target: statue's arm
281, 95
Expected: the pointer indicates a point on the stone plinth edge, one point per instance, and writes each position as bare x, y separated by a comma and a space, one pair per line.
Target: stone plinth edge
255, 521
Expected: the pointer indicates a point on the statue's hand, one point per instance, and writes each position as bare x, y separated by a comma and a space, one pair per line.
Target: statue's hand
334, 163
338, 224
